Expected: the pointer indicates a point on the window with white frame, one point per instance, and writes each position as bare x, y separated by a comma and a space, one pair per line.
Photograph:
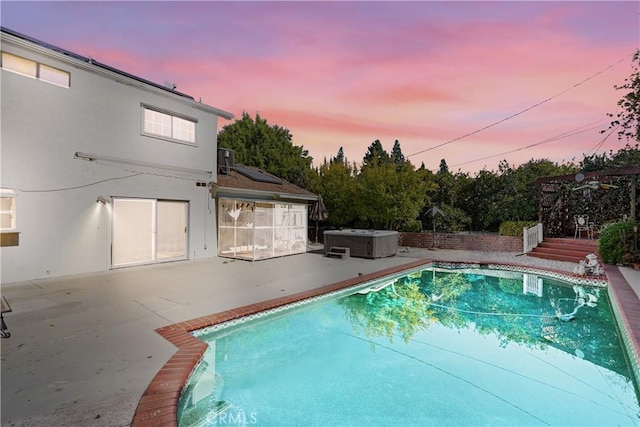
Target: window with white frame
168, 126
35, 70
7, 210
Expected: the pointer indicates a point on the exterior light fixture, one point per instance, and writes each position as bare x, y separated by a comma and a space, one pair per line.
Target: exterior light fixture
103, 200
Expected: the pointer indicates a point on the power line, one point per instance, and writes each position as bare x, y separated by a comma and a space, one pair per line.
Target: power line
601, 142
519, 112
76, 187
573, 132
135, 173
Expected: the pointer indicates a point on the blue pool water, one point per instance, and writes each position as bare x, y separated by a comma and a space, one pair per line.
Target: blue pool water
436, 347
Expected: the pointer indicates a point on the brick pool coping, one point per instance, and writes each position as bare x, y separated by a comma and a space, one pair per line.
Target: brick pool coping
158, 406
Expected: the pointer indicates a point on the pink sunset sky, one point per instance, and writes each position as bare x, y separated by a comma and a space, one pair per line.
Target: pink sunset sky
342, 74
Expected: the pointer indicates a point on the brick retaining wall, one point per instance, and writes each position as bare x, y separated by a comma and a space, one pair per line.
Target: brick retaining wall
462, 241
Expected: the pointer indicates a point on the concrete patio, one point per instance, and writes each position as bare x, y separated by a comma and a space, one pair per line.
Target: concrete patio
84, 348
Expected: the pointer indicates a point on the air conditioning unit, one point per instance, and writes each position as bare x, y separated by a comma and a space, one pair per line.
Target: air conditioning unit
226, 160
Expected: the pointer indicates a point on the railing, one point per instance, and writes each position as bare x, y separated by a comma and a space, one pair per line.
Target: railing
531, 237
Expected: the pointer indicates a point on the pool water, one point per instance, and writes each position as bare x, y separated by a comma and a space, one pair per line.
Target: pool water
435, 347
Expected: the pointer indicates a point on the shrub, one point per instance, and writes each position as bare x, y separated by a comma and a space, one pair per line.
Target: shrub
514, 228
615, 241
413, 226
452, 220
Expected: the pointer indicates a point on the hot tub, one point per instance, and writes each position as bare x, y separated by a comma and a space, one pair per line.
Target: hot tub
363, 243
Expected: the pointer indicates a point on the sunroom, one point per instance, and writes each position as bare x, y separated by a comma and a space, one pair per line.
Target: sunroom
259, 215
260, 229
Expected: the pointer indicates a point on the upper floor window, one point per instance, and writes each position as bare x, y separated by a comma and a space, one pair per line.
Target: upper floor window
7, 210
35, 70
169, 126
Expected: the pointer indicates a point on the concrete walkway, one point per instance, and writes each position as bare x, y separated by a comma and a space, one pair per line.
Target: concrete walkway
84, 348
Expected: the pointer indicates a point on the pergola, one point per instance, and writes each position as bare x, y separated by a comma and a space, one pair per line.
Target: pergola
606, 196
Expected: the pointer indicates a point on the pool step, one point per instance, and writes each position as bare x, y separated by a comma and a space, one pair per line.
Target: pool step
338, 251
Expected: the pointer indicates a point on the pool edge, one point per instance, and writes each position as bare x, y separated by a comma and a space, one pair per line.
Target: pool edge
158, 405
626, 308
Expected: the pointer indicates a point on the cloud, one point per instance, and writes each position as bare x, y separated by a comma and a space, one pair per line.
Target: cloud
347, 73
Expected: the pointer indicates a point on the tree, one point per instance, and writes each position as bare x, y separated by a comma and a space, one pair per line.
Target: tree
518, 197
388, 198
397, 157
444, 168
627, 119
337, 185
375, 155
625, 157
482, 210
269, 148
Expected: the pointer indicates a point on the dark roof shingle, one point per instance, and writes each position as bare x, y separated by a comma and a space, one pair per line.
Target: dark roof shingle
227, 183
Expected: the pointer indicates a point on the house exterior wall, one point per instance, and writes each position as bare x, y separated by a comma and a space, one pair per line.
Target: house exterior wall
63, 230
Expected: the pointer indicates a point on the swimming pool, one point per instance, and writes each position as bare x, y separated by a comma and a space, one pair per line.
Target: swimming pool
431, 347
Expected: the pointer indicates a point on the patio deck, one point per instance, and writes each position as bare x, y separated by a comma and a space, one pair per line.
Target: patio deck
84, 348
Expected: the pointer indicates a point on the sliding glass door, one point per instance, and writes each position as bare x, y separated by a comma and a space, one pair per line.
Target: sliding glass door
171, 240
148, 230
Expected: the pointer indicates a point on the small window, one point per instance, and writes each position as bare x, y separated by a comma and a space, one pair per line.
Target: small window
54, 76
157, 123
7, 210
19, 65
169, 126
184, 130
35, 70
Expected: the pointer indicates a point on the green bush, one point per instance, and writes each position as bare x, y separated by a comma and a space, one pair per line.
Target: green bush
413, 226
452, 220
615, 240
514, 228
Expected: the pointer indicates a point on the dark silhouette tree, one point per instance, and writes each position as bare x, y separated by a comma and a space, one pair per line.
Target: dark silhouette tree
627, 120
396, 155
375, 155
270, 148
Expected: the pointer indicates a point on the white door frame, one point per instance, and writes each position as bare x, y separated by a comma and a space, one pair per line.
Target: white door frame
144, 229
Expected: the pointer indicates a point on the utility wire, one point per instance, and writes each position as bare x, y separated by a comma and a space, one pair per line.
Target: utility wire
519, 112
573, 132
76, 187
135, 173
601, 142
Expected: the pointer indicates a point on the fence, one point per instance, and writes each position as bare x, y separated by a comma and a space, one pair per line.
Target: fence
490, 242
531, 237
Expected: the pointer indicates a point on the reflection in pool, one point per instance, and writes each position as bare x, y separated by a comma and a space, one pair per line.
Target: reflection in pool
434, 347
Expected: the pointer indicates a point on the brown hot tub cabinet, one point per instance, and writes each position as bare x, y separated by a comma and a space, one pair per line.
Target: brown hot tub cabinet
362, 243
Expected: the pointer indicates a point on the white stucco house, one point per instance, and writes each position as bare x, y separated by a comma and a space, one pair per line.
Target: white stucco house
100, 169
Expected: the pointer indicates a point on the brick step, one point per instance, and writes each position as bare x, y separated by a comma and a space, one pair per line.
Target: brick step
565, 249
560, 255
573, 242
574, 249
556, 257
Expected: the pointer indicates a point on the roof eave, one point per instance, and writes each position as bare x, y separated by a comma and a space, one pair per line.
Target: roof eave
262, 194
